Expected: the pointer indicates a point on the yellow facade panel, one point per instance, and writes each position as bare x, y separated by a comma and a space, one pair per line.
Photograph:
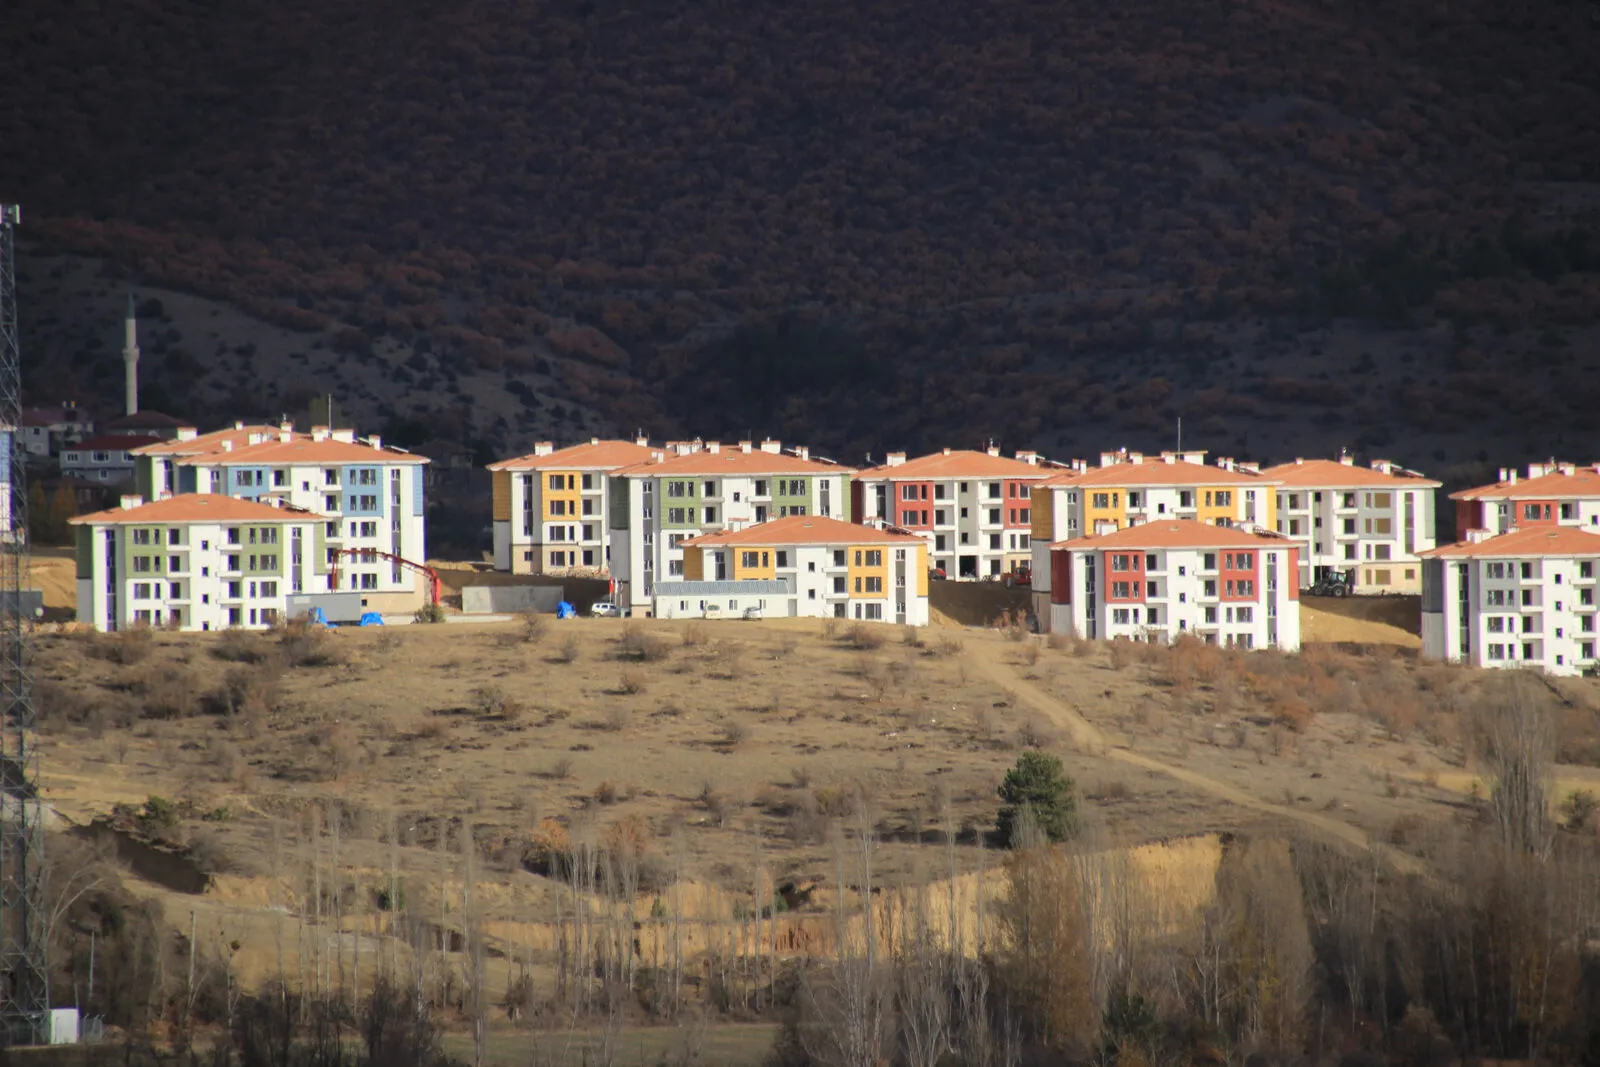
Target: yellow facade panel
501, 488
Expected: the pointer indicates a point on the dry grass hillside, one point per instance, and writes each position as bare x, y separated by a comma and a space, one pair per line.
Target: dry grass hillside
1363, 223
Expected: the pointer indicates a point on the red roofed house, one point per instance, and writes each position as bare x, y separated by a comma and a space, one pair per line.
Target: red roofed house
195, 562
1159, 580
46, 431
973, 508
1523, 598
1553, 494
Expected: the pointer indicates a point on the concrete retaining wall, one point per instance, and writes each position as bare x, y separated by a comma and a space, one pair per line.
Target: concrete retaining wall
496, 599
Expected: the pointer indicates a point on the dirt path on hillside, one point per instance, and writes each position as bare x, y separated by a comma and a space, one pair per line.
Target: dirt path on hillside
1090, 739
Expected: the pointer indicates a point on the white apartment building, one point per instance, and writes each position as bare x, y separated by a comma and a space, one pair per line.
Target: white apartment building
371, 498
973, 508
199, 561
46, 431
1367, 525
801, 566
696, 489
552, 507
1130, 488
1160, 580
1524, 598
157, 474
1552, 494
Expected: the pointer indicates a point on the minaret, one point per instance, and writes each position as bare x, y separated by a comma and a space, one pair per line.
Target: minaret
130, 359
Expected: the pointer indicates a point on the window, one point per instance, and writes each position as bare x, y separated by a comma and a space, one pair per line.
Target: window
1122, 590
1135, 500
838, 557
783, 559
141, 565
369, 581
994, 491
994, 516
1243, 614
269, 589
1349, 551
1211, 587
1119, 616
873, 585
1349, 527
1586, 569
1102, 500
1497, 624
141, 537
1527, 570
174, 536
749, 560
1150, 563
141, 590
761, 487
1379, 500
1119, 563
1494, 598
1208, 562
677, 489
675, 567
839, 585
1185, 498
908, 518
874, 557
174, 563
1530, 512
269, 563
676, 515
1380, 552
797, 487
1150, 589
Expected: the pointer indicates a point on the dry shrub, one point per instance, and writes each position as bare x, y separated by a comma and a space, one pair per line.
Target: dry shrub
633, 681
806, 824
547, 847
617, 717
1123, 654
569, 650
250, 691
1115, 789
1293, 712
168, 692
695, 634
950, 647
340, 749
239, 646
125, 647
207, 852
830, 629
733, 733
837, 802
800, 777
1037, 732
305, 645
56, 702
911, 637
433, 729
725, 657
533, 628
636, 644
866, 637
226, 760
560, 768
605, 793
1028, 654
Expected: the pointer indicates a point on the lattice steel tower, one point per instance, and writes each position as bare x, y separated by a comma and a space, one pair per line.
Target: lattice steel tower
24, 971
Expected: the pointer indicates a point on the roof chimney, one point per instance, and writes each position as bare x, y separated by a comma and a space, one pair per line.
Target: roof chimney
1298, 462
803, 451
1383, 466
131, 502
319, 433
594, 440
347, 435
947, 451
714, 447
1568, 468
1135, 457
1168, 457
895, 459
772, 447
1513, 474
642, 441
1030, 458
543, 448
993, 450
745, 447
238, 424
1347, 459
285, 436
1502, 475
286, 426
374, 441
227, 444
187, 433
254, 437
1475, 536
1250, 468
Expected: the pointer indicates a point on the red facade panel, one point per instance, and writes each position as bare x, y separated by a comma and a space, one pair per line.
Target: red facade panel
858, 501
1061, 576
1124, 577
1292, 574
913, 505
1469, 516
1239, 575
1535, 513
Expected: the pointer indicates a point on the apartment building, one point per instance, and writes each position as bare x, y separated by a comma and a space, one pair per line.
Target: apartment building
1129, 488
696, 489
973, 508
199, 561
156, 472
1523, 598
46, 431
370, 496
1366, 525
1552, 494
551, 507
1159, 580
802, 565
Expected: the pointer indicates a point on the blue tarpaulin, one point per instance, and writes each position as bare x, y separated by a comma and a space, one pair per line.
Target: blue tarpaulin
371, 618
565, 610
316, 618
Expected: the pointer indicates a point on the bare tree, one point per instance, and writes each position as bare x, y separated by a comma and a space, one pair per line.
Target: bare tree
1518, 741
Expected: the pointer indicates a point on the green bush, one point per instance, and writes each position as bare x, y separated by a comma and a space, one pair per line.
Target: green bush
1038, 785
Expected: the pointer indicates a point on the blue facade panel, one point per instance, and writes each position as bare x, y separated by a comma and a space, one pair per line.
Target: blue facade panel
416, 489
248, 482
363, 491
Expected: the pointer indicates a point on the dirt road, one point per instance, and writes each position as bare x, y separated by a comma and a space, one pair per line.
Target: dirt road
1086, 737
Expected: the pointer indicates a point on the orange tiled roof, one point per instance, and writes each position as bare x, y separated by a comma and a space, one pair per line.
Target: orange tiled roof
957, 464
195, 507
1528, 541
211, 442
732, 461
1158, 472
276, 453
1332, 474
804, 530
1583, 481
595, 455
1178, 533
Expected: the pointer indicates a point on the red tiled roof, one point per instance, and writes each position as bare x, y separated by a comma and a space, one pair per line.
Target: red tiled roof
957, 464
732, 461
211, 442
107, 442
195, 507
1332, 474
591, 455
804, 530
1178, 533
1158, 472
1528, 541
302, 449
1582, 482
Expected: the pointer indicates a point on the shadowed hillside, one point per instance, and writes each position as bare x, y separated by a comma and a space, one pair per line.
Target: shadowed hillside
881, 224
